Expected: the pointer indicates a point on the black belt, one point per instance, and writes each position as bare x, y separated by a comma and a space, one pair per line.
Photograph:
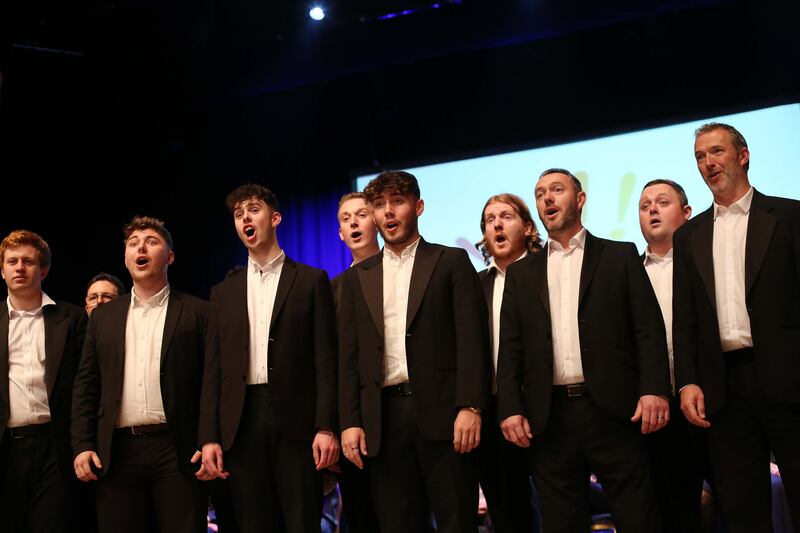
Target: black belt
401, 389
142, 430
34, 430
575, 390
742, 355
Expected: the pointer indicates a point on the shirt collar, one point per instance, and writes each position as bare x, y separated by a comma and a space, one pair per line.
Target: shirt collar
157, 300
650, 257
742, 205
270, 268
577, 241
409, 251
493, 264
46, 300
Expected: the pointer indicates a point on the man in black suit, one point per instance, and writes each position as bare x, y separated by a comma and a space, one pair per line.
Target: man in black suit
40, 343
582, 357
102, 288
509, 234
413, 369
676, 452
272, 404
136, 401
737, 331
358, 232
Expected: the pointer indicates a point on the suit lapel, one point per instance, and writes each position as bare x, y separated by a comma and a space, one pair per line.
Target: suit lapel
237, 291
424, 263
593, 250
760, 225
121, 323
4, 401
703, 251
288, 273
540, 279
56, 328
370, 276
487, 280
174, 309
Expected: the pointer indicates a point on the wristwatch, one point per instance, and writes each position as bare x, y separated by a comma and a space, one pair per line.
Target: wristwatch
476, 410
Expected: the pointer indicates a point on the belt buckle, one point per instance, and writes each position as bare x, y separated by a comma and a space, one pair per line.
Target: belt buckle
14, 434
135, 432
574, 391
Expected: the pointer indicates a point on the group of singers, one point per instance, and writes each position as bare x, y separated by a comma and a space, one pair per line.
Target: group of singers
563, 358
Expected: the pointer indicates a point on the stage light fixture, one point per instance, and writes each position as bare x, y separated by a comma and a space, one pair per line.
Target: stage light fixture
317, 13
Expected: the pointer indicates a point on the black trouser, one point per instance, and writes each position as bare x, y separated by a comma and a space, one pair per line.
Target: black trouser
412, 475
740, 439
505, 479
34, 492
680, 462
273, 483
358, 511
144, 486
579, 439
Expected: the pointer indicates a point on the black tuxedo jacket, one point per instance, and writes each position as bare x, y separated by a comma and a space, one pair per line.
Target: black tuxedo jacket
98, 385
64, 328
446, 342
336, 287
487, 278
772, 291
301, 357
621, 330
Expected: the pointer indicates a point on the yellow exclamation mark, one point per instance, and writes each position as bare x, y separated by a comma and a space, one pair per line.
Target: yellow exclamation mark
625, 189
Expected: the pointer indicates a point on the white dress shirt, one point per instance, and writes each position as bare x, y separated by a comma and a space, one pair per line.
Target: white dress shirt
262, 285
497, 304
141, 384
27, 391
659, 270
563, 284
396, 283
730, 240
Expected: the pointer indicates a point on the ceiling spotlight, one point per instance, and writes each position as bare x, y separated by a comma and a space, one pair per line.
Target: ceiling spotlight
317, 13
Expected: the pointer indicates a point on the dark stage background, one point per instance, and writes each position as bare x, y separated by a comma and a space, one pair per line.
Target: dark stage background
109, 109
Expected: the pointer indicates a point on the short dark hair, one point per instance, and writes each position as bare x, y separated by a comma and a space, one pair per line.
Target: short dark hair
532, 242
104, 276
250, 191
738, 140
352, 196
556, 170
392, 182
139, 222
675, 186
23, 237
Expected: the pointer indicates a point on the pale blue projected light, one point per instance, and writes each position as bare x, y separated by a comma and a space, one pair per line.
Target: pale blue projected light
613, 171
